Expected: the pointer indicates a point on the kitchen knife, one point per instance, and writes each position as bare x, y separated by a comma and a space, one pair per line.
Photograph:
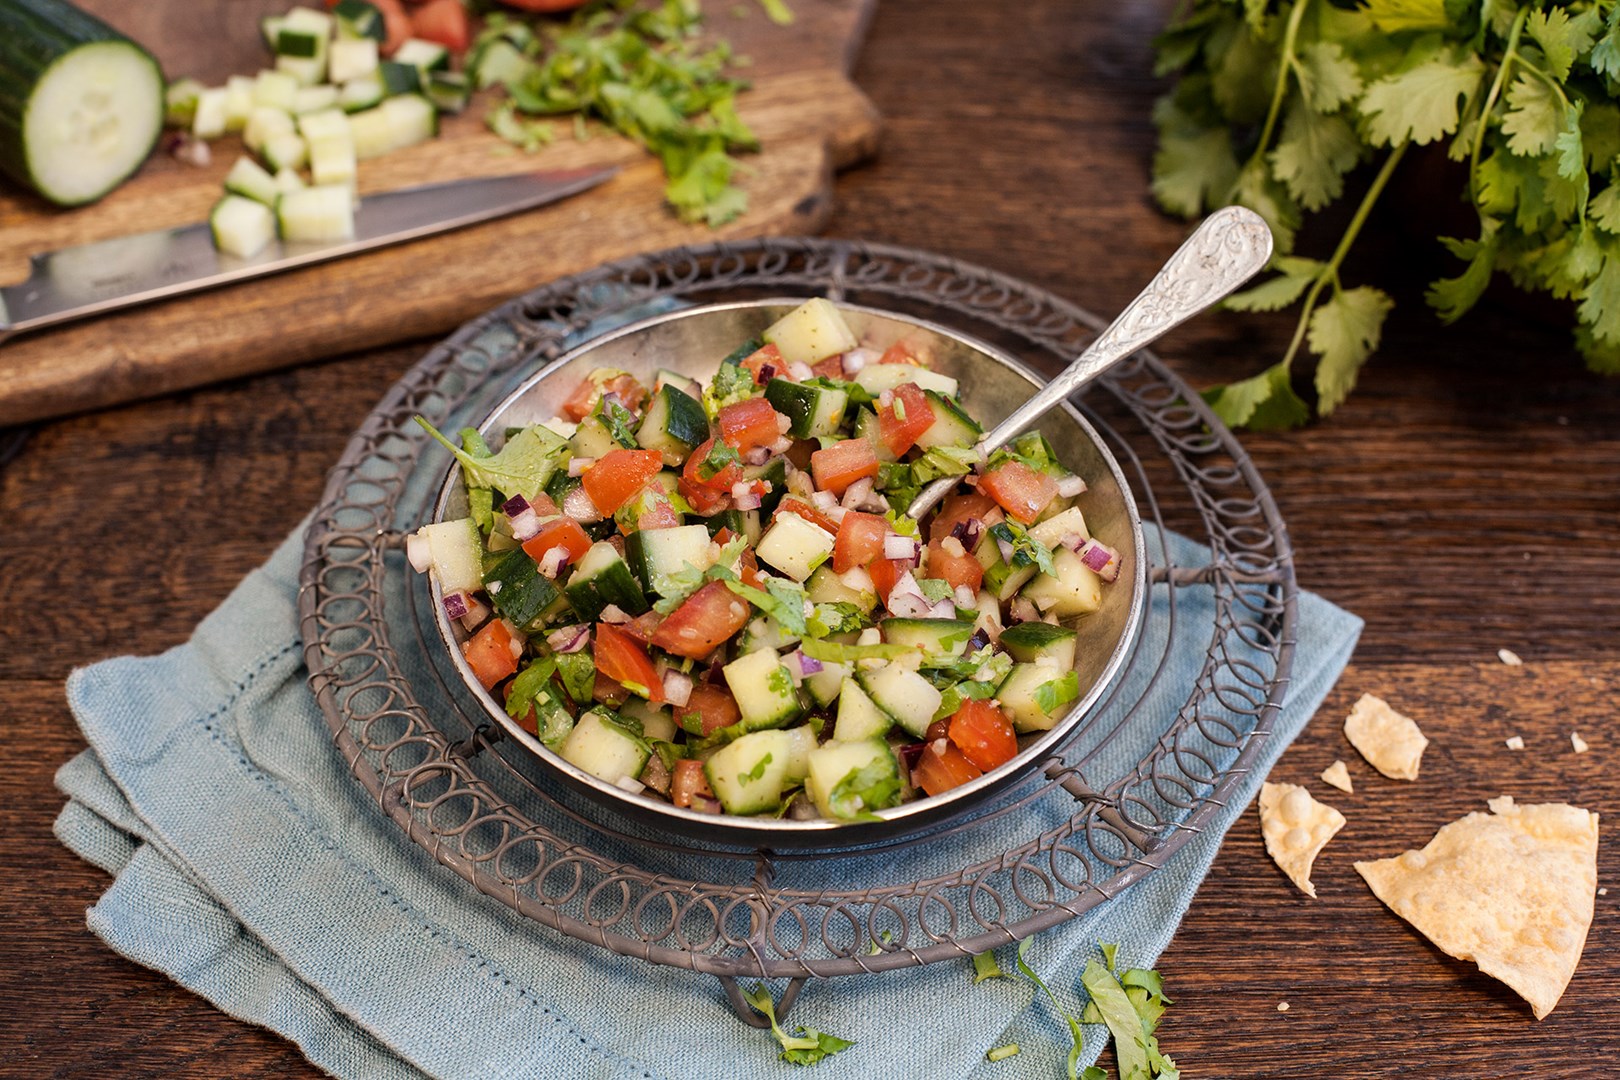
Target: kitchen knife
91, 278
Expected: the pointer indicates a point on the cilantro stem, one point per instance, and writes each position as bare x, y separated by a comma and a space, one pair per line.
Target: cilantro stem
1508, 57
1285, 64
1330, 271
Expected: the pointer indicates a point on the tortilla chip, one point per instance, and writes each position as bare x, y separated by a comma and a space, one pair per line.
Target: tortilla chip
1339, 776
1511, 890
1390, 742
1296, 828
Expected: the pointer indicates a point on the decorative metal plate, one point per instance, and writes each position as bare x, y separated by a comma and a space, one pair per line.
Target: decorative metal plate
1072, 836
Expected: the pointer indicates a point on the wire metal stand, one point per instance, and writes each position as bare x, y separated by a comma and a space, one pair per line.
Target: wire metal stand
484, 809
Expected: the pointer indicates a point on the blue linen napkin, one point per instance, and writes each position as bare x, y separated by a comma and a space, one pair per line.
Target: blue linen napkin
251, 867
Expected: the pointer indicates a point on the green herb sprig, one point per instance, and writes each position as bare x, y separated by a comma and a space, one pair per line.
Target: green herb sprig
1277, 101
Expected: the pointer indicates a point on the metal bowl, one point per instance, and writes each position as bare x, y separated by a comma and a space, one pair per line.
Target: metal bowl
993, 384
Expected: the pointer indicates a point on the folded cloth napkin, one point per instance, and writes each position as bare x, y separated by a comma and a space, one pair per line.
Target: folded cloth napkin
250, 866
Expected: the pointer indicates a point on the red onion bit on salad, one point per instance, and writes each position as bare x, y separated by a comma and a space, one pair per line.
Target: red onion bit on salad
418, 553
1100, 559
553, 561
967, 532
577, 466
906, 601
745, 494
577, 505
899, 548
677, 688
455, 604
570, 639
1070, 486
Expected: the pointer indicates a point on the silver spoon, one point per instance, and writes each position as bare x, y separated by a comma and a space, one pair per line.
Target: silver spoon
1229, 248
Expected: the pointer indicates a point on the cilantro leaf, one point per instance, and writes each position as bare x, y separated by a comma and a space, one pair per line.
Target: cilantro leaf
1561, 37
578, 671
1116, 1011
1532, 121
835, 618
522, 467
1026, 550
1294, 276
1392, 15
619, 421
1344, 332
805, 1046
1075, 1035
1313, 155
1420, 104
1263, 402
782, 600
985, 967
1452, 297
874, 786
1328, 78
1193, 170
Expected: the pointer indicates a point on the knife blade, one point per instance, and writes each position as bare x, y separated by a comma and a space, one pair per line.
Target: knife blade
88, 279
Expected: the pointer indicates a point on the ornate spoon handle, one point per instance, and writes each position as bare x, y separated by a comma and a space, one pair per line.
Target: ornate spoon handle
1231, 246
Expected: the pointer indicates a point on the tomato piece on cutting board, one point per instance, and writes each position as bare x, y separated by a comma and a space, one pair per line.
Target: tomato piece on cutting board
442, 21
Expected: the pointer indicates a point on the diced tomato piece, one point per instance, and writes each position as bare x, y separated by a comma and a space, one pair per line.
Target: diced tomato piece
963, 569
443, 21
904, 419
619, 658
713, 706
544, 505
688, 780
489, 653
939, 729
704, 621
859, 541
766, 364
609, 692
704, 503
983, 734
725, 536
885, 573
799, 453
748, 425
659, 513
641, 628
697, 472
830, 368
958, 508
618, 476
943, 767
843, 463
1020, 490
791, 505
748, 569
580, 403
904, 352
564, 533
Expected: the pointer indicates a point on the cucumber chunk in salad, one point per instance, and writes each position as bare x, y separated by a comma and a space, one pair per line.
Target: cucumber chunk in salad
655, 558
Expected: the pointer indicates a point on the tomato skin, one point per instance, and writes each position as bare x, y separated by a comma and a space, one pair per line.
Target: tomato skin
766, 363
618, 476
859, 541
904, 420
705, 620
564, 533
958, 508
830, 368
720, 481
943, 767
1020, 490
443, 21
983, 734
963, 569
583, 399
688, 780
843, 463
489, 653
792, 505
885, 573
661, 514
902, 352
748, 425
714, 707
619, 658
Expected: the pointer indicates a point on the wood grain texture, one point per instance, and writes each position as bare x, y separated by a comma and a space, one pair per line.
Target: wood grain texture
810, 120
1021, 143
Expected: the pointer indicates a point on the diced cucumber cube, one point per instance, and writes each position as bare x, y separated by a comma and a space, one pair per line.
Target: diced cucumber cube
289, 180
501, 63
351, 59
411, 119
358, 20
298, 42
810, 332
934, 637
286, 151
674, 425
1000, 579
248, 178
749, 775
858, 717
316, 214
764, 690
794, 546
656, 722
1028, 688
813, 410
603, 578
825, 685
592, 439
331, 159
426, 55
314, 98
398, 78
1029, 642
905, 695
208, 122
844, 774
448, 90
270, 29
323, 124
275, 89
306, 71
951, 426
1052, 531
854, 587
241, 226
876, 378
264, 124
600, 746
365, 92
801, 741
180, 102
1075, 590
457, 551
764, 632
656, 556
239, 90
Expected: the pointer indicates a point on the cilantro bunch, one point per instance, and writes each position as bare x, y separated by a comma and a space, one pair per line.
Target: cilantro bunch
1277, 101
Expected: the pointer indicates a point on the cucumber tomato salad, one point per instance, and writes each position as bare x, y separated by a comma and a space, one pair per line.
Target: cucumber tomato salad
711, 594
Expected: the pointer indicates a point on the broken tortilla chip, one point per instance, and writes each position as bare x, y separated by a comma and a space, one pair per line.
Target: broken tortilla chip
1511, 890
1339, 776
1390, 742
1296, 828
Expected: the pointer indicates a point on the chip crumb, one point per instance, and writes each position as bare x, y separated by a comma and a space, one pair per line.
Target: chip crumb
1514, 742
1578, 743
1509, 657
1282, 1006
1603, 892
1393, 744
1338, 775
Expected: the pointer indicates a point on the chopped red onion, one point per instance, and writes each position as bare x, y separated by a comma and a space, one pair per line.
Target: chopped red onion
1006, 549
476, 614
418, 552
911, 752
525, 525
965, 597
455, 604
577, 505
906, 599
942, 609
979, 640
823, 500
994, 516
578, 465
783, 423
767, 372
514, 506
782, 445
798, 482
553, 561
569, 639
745, 494
953, 547
182, 147
857, 493
967, 532
677, 688
1070, 486
886, 399
759, 455
615, 614
1022, 609
901, 548
854, 360
795, 672
1100, 559
809, 664
630, 784
705, 805
519, 640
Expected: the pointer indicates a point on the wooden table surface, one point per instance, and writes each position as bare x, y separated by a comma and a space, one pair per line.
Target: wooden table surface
1465, 499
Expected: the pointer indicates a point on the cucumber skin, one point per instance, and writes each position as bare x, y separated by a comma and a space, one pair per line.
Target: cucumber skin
34, 34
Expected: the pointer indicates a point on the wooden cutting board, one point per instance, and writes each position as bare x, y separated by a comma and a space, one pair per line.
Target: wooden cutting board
809, 116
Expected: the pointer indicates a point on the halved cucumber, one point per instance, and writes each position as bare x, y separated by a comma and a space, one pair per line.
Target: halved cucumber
1029, 688
242, 226
1075, 590
81, 106
905, 695
876, 378
935, 637
764, 690
951, 426
832, 763
426, 55
351, 58
316, 214
858, 717
794, 546
657, 555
